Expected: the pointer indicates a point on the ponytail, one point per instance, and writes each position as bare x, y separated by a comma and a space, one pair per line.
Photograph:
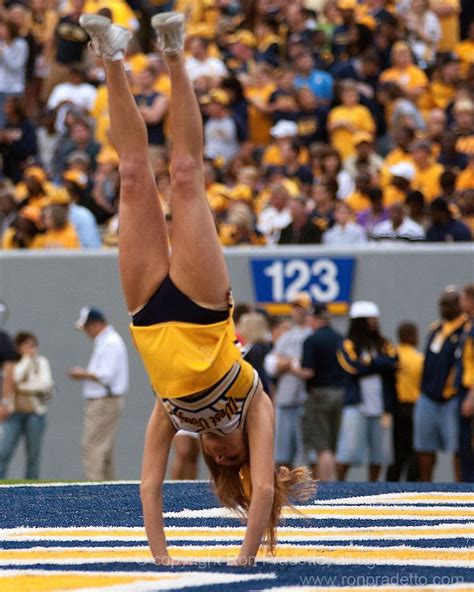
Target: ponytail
233, 487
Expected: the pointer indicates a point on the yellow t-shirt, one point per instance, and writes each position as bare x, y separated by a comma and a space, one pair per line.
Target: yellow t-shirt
65, 238
449, 24
199, 11
341, 138
186, 358
465, 179
427, 181
43, 30
410, 369
358, 201
441, 94
409, 78
122, 14
272, 156
465, 51
393, 195
100, 112
259, 123
8, 237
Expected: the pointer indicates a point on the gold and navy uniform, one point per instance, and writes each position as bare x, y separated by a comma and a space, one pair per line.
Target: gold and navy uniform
439, 371
194, 361
466, 378
216, 410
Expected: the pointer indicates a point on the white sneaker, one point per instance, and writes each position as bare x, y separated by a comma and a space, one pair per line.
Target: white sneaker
108, 41
169, 28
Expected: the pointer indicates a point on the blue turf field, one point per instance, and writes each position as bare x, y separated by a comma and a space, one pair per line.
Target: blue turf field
352, 536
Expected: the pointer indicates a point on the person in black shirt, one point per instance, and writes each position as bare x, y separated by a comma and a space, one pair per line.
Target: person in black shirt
311, 118
153, 107
444, 228
70, 41
325, 386
302, 230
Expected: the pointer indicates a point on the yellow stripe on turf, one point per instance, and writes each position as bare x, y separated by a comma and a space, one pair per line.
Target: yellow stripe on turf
65, 581
344, 554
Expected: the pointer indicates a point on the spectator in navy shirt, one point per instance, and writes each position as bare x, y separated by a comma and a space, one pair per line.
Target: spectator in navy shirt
444, 228
325, 380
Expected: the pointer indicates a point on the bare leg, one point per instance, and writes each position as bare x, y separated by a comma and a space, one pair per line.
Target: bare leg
326, 466
374, 472
427, 462
143, 243
197, 262
186, 450
342, 470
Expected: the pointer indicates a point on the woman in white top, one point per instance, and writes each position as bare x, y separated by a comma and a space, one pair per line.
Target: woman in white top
33, 389
345, 231
424, 32
13, 57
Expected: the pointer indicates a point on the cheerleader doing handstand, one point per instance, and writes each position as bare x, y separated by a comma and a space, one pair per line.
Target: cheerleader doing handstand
181, 308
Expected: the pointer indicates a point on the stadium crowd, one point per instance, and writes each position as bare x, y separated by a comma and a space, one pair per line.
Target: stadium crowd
326, 121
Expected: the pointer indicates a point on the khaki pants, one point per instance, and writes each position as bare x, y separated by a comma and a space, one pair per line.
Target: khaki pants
101, 418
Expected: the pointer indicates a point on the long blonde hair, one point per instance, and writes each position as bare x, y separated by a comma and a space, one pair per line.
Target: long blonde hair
233, 488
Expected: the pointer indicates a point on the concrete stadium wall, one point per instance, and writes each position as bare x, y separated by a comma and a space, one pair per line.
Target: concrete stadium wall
44, 292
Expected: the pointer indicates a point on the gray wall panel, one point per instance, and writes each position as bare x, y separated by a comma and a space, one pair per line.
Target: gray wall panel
44, 293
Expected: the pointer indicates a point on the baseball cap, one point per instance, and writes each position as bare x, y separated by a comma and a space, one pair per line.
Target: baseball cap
403, 169
301, 299
217, 95
284, 129
86, 315
463, 105
36, 173
364, 309
79, 178
360, 137
243, 36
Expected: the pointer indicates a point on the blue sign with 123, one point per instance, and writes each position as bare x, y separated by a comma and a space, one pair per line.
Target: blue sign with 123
325, 279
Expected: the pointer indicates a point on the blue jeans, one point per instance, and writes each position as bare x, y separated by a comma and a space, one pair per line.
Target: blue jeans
289, 448
436, 425
362, 439
32, 427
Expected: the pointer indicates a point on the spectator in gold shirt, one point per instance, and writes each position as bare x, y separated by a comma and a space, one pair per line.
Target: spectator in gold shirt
410, 368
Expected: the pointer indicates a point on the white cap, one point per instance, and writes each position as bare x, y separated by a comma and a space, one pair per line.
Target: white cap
364, 309
403, 169
284, 129
86, 315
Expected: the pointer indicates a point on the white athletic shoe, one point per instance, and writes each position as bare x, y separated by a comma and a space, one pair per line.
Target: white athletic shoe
108, 41
169, 28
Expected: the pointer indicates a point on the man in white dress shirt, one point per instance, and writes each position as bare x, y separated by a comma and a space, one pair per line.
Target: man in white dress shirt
105, 382
277, 215
398, 227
